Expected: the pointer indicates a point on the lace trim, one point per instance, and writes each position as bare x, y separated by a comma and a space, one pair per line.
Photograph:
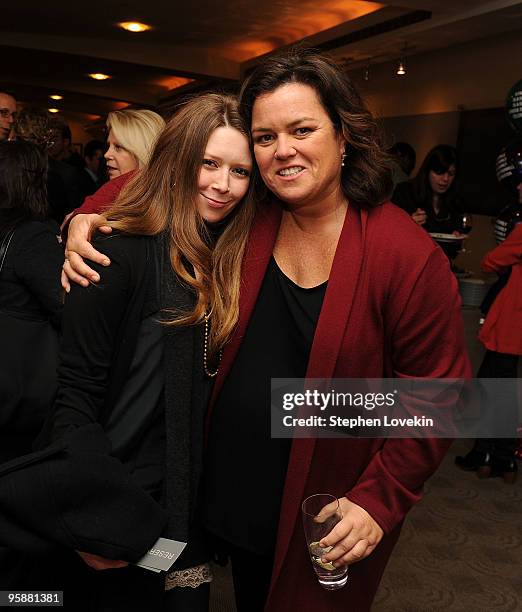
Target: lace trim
190, 577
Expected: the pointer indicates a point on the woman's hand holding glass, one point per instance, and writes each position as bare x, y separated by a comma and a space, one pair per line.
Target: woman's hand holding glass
354, 537
78, 248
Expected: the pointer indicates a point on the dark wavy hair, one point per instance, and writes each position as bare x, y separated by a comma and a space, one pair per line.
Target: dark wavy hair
366, 176
438, 160
23, 182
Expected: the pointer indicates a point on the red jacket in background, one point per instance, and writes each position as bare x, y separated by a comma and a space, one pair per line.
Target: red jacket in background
105, 196
502, 330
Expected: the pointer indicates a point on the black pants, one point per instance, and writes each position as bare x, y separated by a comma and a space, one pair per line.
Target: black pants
187, 599
251, 573
500, 365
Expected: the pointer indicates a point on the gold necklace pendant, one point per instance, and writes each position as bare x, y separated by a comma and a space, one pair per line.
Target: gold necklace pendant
205, 350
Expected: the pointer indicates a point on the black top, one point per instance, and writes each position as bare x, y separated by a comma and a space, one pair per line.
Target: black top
92, 320
75, 492
142, 380
30, 311
246, 469
30, 279
446, 221
63, 189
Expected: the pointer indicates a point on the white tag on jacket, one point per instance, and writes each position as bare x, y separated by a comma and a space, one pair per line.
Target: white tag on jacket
162, 555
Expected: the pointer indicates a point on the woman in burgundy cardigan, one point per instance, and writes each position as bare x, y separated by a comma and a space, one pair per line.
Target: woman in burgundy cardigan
329, 289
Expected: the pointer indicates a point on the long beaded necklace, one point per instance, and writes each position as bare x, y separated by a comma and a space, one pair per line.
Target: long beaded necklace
205, 349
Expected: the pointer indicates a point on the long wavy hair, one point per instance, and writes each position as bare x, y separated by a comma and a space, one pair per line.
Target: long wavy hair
23, 183
162, 198
366, 178
438, 160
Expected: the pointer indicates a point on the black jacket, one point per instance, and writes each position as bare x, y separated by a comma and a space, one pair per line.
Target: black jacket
75, 493
30, 312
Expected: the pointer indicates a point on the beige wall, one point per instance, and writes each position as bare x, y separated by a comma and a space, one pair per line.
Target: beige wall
422, 131
423, 106
473, 75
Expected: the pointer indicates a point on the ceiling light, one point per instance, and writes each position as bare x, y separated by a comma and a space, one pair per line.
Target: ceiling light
98, 76
401, 68
53, 110
134, 26
56, 97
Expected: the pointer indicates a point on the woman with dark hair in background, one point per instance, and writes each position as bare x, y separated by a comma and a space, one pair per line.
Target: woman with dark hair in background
30, 296
30, 304
431, 198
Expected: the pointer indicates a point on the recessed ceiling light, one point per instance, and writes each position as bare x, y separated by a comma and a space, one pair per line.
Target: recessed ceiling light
134, 26
53, 110
56, 97
98, 76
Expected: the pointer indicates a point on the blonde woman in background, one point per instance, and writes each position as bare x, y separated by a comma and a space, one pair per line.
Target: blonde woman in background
131, 137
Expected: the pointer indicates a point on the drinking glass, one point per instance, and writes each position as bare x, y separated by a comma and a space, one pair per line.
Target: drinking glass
465, 223
330, 577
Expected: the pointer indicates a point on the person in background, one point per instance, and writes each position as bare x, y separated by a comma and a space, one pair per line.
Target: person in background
30, 305
7, 114
431, 199
501, 334
131, 137
62, 148
404, 160
93, 156
63, 181
30, 297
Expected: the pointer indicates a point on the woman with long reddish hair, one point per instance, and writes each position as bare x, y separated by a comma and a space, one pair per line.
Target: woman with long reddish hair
122, 451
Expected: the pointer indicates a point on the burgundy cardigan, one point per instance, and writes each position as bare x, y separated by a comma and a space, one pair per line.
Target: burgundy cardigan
391, 309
